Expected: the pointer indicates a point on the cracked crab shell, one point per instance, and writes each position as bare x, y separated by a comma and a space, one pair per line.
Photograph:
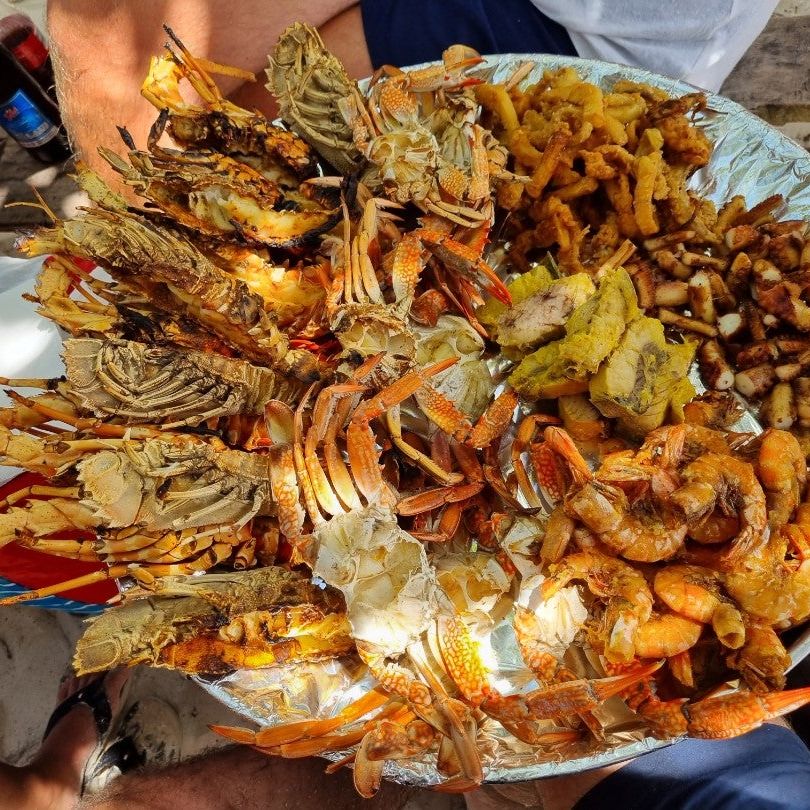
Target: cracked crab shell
557, 619
469, 382
390, 587
474, 583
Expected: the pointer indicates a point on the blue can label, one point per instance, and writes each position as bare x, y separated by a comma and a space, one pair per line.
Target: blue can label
22, 119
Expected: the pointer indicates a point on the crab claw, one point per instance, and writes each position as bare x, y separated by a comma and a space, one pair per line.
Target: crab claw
575, 696
731, 715
367, 772
437, 497
410, 258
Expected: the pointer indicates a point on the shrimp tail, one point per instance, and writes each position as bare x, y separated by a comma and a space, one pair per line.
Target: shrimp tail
747, 543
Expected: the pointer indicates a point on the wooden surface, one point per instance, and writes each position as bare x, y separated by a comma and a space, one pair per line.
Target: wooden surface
773, 78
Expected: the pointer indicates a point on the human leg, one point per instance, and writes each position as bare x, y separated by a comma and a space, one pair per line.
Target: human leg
53, 779
766, 769
102, 50
403, 32
241, 779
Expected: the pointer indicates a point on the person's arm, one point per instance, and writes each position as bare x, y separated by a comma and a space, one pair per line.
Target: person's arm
102, 49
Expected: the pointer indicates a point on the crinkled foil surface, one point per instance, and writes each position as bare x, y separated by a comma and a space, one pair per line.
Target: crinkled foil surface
749, 158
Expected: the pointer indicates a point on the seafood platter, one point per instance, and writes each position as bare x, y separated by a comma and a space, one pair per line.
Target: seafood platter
454, 428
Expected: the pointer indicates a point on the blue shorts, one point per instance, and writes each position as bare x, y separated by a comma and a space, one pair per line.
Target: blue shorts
766, 769
406, 32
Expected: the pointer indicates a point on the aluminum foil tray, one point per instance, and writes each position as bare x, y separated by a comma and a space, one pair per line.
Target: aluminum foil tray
749, 158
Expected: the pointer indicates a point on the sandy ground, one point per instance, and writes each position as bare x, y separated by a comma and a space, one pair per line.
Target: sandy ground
35, 650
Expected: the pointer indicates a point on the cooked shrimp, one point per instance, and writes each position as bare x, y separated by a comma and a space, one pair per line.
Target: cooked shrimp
777, 594
722, 480
665, 635
624, 503
762, 661
638, 477
599, 506
713, 409
771, 588
713, 528
623, 588
646, 534
695, 593
782, 469
679, 444
796, 533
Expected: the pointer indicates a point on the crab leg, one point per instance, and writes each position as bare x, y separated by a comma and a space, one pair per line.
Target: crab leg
317, 745
443, 412
39, 490
394, 426
196, 70
452, 718
362, 268
456, 60
730, 715
94, 425
126, 540
114, 572
388, 740
410, 257
546, 668
363, 457
393, 677
339, 473
284, 488
324, 412
217, 553
45, 383
337, 470
463, 662
523, 437
495, 419
437, 497
77, 549
290, 732
45, 517
304, 481
463, 259
324, 408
